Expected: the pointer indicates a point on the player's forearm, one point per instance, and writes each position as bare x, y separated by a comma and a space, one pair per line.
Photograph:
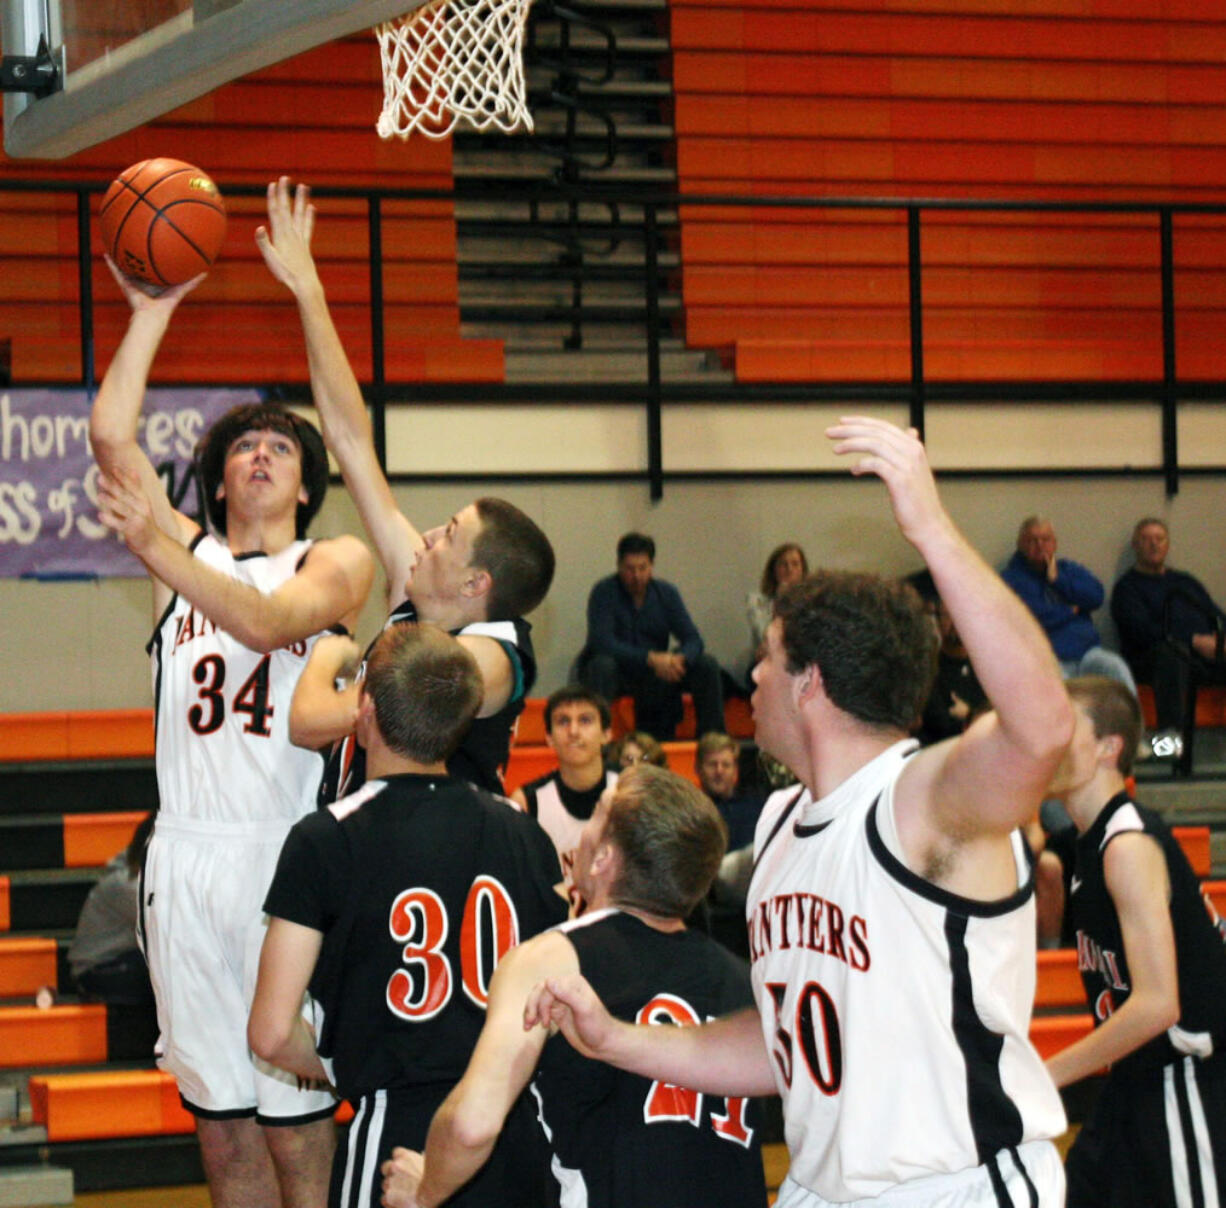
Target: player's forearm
116, 411
295, 1052
319, 712
242, 611
1136, 1023
725, 1057
457, 1146
1011, 655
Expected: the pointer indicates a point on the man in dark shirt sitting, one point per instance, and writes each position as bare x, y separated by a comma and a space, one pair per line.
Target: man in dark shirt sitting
1166, 649
632, 618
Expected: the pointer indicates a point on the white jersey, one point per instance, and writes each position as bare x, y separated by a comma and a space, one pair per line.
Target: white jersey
223, 750
897, 1014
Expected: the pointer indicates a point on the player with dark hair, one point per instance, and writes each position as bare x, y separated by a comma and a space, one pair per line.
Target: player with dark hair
475, 576
1153, 964
577, 727
645, 859
891, 909
238, 614
394, 906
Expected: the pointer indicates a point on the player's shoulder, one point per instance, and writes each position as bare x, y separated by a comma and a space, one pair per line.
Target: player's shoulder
535, 786
346, 551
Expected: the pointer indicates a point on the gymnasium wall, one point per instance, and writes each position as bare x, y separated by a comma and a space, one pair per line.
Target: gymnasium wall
80, 645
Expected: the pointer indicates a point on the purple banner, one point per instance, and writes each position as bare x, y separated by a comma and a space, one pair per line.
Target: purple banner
48, 480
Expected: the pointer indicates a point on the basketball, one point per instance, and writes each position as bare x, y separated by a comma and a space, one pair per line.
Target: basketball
162, 221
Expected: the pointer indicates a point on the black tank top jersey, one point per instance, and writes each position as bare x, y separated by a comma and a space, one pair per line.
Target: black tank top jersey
487, 744
418, 883
1199, 950
635, 1143
579, 803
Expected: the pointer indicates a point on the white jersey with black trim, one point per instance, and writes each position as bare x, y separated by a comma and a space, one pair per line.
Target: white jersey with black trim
897, 1014
223, 751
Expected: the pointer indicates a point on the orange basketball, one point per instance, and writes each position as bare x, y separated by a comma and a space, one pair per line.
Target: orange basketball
162, 221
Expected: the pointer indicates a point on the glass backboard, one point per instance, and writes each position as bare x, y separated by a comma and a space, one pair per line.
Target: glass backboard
124, 62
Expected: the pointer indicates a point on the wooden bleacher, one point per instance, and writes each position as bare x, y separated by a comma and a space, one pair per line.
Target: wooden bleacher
825, 98
241, 308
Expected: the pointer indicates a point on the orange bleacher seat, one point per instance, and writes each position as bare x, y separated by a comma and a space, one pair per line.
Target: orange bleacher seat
1210, 705
119, 1103
1058, 983
4, 903
90, 840
1215, 891
680, 756
55, 1036
527, 763
1196, 846
26, 965
83, 734
1052, 1033
530, 728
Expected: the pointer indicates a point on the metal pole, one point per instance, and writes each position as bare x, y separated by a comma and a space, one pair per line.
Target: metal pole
85, 290
655, 460
1170, 424
378, 369
916, 303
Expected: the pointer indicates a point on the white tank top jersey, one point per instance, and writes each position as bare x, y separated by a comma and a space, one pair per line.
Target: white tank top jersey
897, 1014
557, 821
223, 752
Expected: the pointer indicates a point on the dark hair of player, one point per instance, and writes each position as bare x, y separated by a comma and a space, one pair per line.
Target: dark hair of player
517, 556
770, 577
1112, 709
262, 417
426, 690
870, 639
671, 839
636, 543
577, 694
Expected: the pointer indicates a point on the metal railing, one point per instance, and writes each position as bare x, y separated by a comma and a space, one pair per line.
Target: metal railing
916, 392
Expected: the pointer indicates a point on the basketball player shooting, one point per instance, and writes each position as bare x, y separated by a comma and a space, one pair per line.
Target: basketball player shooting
236, 614
891, 911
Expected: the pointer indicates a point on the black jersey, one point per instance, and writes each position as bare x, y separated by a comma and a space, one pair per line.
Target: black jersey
487, 745
621, 1141
1199, 950
419, 884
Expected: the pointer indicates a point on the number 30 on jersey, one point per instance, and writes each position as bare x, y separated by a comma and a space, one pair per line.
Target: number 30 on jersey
489, 928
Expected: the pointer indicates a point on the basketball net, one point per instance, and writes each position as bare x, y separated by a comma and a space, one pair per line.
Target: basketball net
454, 60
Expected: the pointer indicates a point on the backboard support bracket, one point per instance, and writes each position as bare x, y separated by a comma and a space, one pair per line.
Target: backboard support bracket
191, 56
37, 74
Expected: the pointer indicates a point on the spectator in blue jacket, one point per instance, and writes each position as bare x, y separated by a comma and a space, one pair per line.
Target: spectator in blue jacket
632, 621
1062, 594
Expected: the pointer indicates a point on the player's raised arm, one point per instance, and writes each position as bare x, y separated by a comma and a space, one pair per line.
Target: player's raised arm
724, 1057
286, 246
117, 407
989, 780
329, 589
321, 712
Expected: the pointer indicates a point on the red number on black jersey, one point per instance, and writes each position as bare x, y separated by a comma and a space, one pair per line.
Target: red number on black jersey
489, 928
666, 1102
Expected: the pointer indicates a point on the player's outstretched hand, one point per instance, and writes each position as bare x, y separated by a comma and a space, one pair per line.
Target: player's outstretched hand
142, 296
124, 507
401, 1175
285, 243
897, 457
569, 1004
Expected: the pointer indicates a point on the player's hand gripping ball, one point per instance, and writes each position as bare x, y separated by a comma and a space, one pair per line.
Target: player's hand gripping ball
162, 221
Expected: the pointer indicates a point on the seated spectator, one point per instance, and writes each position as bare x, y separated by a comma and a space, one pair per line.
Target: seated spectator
956, 698
104, 960
717, 762
632, 618
1166, 658
633, 748
576, 728
1062, 594
786, 565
